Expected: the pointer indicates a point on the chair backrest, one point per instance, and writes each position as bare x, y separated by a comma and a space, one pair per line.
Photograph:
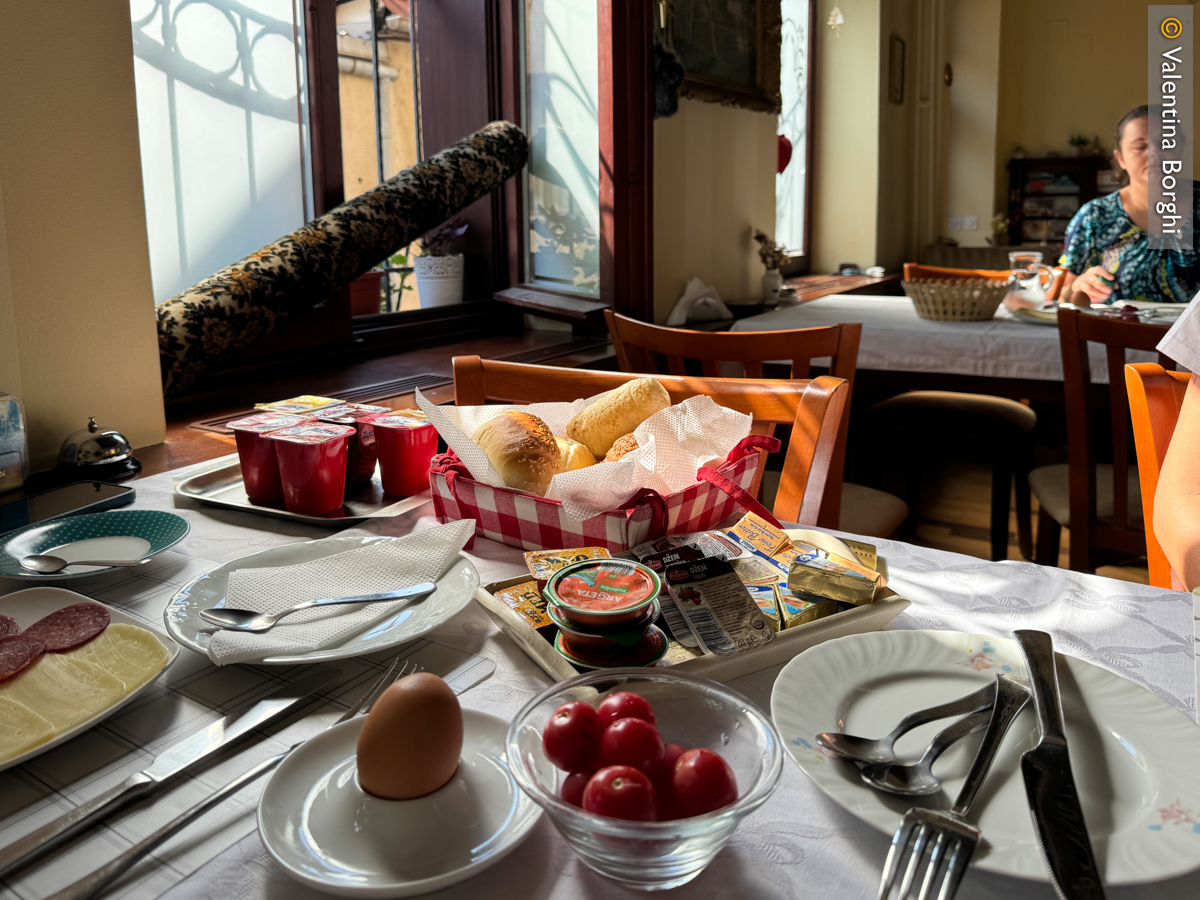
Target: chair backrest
1054, 288
654, 348
1155, 398
1075, 330
813, 407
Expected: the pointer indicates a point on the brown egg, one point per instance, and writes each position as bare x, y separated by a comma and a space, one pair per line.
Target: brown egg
410, 743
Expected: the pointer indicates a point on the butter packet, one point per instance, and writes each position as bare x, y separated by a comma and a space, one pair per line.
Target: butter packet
757, 533
527, 599
798, 611
717, 607
765, 598
814, 577
544, 563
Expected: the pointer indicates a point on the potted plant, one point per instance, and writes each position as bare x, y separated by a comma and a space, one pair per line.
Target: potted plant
773, 256
440, 273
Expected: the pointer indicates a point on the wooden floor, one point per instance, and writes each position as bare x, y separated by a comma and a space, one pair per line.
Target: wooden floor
954, 514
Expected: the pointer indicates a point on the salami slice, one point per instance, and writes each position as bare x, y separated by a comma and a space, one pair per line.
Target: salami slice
71, 626
8, 627
18, 653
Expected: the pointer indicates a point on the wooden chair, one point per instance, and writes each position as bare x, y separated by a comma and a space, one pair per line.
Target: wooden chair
813, 407
915, 270
1101, 503
653, 348
1155, 398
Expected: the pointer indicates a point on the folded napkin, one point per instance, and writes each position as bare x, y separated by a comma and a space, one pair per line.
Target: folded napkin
385, 565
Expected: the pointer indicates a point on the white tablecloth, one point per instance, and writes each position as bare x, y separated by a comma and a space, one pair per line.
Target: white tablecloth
799, 844
896, 339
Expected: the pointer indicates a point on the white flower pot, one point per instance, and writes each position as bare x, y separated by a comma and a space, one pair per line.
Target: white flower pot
772, 284
439, 279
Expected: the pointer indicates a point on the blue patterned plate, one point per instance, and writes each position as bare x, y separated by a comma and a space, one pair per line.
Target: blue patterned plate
117, 534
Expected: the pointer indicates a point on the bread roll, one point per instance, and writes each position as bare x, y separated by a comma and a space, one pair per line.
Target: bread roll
522, 449
626, 443
574, 454
617, 413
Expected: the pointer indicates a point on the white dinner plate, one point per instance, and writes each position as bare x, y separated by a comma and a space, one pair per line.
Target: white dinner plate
454, 591
1134, 756
35, 603
329, 834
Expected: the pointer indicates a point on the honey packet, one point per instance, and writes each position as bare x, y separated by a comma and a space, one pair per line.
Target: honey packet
528, 600
717, 607
544, 563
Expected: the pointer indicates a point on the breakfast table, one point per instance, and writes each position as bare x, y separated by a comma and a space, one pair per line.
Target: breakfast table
895, 339
799, 844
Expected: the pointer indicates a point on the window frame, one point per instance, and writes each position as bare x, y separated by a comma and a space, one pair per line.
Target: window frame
802, 264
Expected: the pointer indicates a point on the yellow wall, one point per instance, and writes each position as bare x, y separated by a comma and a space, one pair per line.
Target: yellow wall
77, 327
975, 56
714, 182
1068, 66
894, 208
845, 177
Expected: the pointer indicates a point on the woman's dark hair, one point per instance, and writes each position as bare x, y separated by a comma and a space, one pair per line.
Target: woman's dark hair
1138, 112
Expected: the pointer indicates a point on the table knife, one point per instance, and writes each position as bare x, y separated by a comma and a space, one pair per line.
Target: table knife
176, 759
1049, 785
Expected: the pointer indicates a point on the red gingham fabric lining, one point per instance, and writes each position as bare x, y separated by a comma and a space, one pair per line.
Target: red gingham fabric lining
535, 523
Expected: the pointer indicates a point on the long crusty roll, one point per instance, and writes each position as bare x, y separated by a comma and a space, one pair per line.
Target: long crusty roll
616, 414
522, 449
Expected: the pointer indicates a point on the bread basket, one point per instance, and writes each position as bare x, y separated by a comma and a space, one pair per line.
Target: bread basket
955, 299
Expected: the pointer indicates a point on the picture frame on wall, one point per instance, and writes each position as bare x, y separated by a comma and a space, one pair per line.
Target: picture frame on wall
729, 50
896, 71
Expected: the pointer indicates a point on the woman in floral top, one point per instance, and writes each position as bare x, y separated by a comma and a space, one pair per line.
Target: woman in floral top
1108, 247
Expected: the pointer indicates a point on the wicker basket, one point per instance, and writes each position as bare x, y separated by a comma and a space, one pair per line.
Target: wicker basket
955, 300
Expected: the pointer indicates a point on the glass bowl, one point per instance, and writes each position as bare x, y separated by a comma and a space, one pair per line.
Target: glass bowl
690, 711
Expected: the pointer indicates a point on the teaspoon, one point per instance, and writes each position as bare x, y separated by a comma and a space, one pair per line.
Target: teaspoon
248, 620
917, 779
48, 565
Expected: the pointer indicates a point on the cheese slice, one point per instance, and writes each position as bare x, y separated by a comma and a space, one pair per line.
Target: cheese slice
63, 690
131, 654
21, 729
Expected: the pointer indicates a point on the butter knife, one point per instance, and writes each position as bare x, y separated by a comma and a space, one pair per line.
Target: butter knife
1049, 785
176, 759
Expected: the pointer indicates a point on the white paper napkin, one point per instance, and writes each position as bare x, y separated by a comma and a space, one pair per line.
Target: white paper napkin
672, 444
385, 565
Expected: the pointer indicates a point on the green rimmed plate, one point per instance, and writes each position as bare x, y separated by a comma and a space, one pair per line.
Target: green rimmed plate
117, 534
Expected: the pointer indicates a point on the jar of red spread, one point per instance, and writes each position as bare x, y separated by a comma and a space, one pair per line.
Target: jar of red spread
405, 441
260, 467
360, 453
312, 466
601, 593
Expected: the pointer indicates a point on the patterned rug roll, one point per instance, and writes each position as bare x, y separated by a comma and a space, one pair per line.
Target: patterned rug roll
228, 312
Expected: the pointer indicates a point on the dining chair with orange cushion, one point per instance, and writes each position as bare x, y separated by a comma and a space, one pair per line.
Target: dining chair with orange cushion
1155, 398
813, 407
641, 347
1100, 503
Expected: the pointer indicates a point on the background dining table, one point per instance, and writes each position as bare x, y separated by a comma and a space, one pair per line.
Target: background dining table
993, 353
799, 844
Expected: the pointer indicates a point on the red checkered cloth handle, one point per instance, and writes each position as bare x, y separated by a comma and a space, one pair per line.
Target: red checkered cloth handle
744, 448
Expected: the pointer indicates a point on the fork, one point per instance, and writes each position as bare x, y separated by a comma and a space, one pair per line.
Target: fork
953, 838
96, 881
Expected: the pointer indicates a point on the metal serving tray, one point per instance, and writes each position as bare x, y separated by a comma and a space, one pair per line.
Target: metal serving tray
220, 483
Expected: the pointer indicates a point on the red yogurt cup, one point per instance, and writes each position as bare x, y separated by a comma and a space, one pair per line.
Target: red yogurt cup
312, 466
260, 466
405, 442
360, 453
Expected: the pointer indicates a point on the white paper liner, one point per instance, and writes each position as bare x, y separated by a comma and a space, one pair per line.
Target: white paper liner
672, 445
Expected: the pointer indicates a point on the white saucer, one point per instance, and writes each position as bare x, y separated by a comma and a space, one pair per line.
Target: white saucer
1133, 755
329, 834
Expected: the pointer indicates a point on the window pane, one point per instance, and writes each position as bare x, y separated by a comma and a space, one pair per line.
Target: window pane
562, 102
219, 117
793, 123
378, 141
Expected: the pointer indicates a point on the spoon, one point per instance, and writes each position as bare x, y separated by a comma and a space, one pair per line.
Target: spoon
48, 565
248, 620
882, 750
917, 779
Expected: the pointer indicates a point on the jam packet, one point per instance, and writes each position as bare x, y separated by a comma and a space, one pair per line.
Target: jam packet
717, 607
670, 612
